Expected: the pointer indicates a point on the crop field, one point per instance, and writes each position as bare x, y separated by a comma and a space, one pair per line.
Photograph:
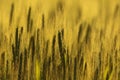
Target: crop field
59, 39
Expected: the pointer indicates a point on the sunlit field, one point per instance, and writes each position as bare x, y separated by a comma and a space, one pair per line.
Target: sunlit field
59, 39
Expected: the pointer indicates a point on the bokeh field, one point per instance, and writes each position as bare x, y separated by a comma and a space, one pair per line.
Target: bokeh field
59, 39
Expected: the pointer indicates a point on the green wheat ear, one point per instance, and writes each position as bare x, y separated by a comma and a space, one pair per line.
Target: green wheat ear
2, 66
20, 68
60, 7
16, 48
29, 19
117, 9
25, 72
53, 48
11, 14
75, 68
37, 59
43, 21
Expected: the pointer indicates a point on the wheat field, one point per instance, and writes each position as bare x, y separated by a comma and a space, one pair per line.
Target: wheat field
59, 40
